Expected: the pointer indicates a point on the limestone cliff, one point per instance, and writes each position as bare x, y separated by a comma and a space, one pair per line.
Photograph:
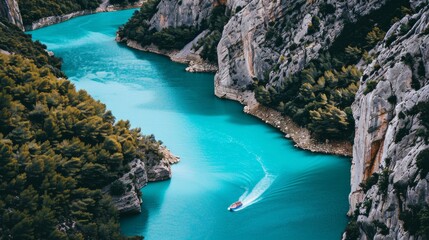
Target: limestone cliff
9, 9
141, 172
388, 188
245, 53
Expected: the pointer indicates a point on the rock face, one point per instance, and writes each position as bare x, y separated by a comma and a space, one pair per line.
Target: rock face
173, 13
388, 134
245, 53
134, 180
9, 9
141, 172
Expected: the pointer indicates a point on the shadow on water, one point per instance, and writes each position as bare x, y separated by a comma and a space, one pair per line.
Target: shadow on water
153, 199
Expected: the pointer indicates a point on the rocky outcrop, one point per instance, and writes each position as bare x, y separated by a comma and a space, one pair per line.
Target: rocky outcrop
141, 172
160, 170
390, 134
133, 181
9, 9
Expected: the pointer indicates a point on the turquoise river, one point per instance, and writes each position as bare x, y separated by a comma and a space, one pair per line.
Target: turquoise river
226, 155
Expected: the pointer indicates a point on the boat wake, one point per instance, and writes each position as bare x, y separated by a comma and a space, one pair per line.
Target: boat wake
250, 197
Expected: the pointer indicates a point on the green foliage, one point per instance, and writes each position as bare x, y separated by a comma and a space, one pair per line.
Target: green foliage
318, 97
416, 220
314, 25
326, 8
32, 10
353, 54
352, 230
374, 36
370, 86
262, 95
371, 181
423, 216
137, 27
392, 99
117, 188
368, 30
402, 132
367, 204
58, 148
209, 44
13, 40
384, 230
173, 38
383, 182
422, 162
217, 20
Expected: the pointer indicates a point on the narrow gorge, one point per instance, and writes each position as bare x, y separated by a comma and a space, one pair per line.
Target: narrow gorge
348, 78
268, 49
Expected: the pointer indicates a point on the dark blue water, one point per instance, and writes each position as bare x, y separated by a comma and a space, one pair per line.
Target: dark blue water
226, 155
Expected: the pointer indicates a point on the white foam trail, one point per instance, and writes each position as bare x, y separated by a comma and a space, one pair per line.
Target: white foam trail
255, 195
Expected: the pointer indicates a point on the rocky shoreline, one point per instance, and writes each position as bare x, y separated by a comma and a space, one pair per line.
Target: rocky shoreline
301, 136
185, 56
104, 7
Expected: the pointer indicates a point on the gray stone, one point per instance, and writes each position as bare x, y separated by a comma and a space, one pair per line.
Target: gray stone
9, 9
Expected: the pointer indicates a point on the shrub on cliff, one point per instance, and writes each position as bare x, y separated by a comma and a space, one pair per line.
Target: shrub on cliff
320, 95
422, 162
174, 38
117, 188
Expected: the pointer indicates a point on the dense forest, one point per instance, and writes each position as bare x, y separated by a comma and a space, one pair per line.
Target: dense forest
319, 97
58, 148
32, 10
138, 28
13, 40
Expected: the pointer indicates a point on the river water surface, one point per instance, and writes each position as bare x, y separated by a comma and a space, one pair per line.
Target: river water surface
226, 155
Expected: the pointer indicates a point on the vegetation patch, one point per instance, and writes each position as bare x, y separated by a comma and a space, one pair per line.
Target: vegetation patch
32, 10
368, 183
319, 97
422, 162
58, 148
13, 40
